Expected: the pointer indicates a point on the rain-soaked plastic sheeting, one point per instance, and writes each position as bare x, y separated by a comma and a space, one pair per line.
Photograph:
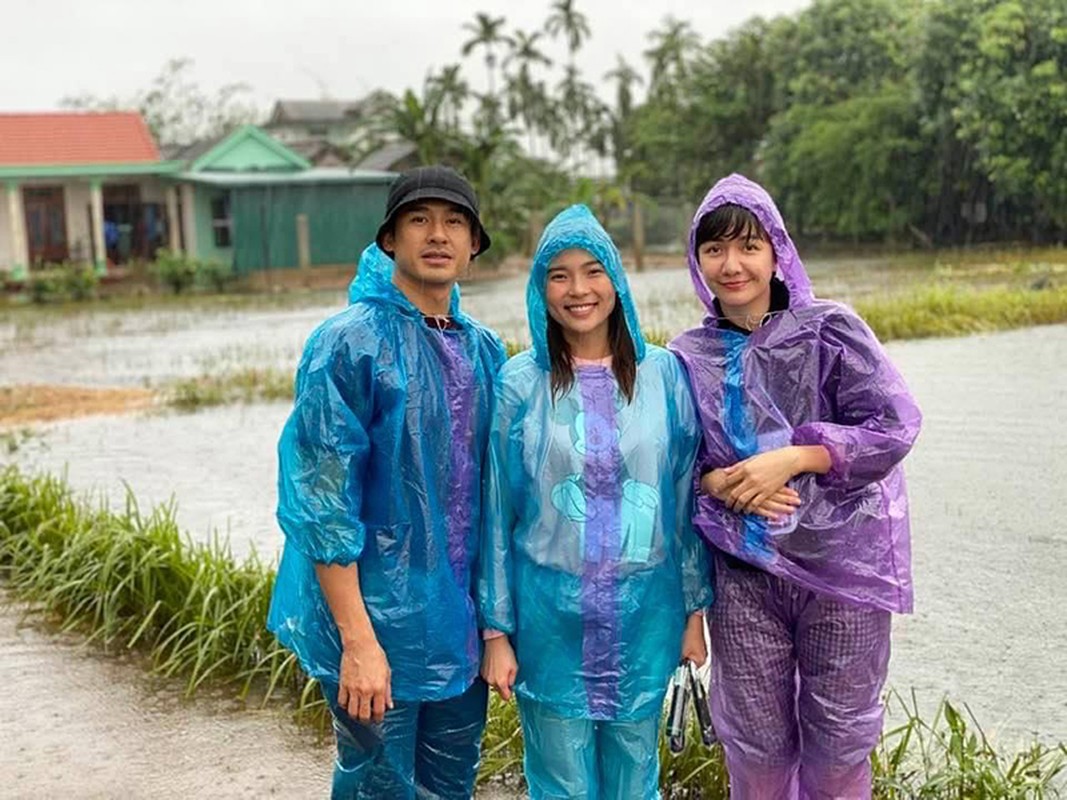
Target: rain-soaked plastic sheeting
419, 750
576, 757
800, 640
813, 374
779, 649
589, 561
376, 379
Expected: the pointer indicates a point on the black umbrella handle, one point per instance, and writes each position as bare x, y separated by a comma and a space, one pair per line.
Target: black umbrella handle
700, 705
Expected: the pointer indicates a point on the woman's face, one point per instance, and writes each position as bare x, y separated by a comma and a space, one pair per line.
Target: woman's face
738, 271
579, 294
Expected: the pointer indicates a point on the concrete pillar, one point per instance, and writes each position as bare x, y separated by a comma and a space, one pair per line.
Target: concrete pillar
173, 222
96, 212
303, 242
189, 218
638, 235
20, 254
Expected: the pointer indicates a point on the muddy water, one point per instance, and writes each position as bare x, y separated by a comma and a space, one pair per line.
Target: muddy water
990, 551
98, 346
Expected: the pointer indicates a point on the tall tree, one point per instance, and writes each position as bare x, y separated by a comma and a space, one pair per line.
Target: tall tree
177, 110
566, 20
672, 48
486, 33
452, 92
625, 78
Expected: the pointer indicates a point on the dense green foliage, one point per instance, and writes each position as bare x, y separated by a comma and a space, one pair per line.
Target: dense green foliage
907, 121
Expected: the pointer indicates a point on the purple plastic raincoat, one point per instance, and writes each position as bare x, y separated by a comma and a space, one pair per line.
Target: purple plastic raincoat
813, 374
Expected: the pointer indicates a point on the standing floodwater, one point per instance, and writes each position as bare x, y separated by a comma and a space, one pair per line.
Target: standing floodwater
989, 556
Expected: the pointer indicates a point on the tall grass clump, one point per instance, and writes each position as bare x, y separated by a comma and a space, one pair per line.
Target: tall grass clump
950, 757
128, 580
958, 311
249, 385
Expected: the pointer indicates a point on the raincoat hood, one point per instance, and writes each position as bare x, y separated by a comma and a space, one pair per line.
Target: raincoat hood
374, 282
739, 190
576, 227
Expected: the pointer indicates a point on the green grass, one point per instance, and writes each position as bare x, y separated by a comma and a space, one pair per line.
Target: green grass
247, 385
127, 580
130, 580
943, 310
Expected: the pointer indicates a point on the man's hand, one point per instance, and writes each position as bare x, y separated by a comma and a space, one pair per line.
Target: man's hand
499, 666
694, 647
365, 689
717, 483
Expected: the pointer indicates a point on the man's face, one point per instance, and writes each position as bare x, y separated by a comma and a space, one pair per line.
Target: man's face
432, 242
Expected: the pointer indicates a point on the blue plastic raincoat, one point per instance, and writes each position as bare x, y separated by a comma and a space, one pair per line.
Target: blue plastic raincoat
380, 464
589, 561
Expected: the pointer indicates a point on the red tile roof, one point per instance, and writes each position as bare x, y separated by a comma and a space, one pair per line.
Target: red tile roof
75, 137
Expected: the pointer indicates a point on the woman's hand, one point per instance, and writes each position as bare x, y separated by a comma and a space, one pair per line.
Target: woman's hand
694, 646
750, 483
499, 666
781, 503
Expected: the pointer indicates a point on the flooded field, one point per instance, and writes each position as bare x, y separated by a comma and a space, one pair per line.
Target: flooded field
97, 346
989, 556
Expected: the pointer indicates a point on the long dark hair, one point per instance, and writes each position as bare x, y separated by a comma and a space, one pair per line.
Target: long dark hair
623, 355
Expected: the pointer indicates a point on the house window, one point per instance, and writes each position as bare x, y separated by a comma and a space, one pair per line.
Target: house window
221, 224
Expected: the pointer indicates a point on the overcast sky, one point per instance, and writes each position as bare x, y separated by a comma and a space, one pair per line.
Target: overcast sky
300, 49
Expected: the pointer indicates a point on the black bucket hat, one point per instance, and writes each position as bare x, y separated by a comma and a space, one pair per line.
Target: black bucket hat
432, 183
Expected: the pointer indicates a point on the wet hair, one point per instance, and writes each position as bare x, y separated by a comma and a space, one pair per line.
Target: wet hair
623, 355
730, 221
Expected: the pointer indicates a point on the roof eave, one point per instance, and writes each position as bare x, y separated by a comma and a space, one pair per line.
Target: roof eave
103, 170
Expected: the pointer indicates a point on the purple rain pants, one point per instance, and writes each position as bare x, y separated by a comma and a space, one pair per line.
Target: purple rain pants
796, 685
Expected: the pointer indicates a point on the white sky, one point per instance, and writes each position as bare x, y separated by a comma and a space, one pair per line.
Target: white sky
302, 49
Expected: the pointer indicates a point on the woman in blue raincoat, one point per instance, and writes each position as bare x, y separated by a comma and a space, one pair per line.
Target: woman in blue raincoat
589, 565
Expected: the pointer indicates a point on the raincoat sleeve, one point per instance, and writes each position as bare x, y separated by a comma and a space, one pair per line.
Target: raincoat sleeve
875, 420
696, 574
500, 508
323, 451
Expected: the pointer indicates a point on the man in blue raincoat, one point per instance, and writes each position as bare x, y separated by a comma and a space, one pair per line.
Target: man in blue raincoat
379, 498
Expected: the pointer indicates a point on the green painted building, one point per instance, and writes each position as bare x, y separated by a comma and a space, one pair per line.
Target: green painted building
251, 202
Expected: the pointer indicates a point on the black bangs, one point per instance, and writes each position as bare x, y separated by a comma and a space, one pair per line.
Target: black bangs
730, 221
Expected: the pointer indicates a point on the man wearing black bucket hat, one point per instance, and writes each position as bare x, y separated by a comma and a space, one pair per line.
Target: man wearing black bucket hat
379, 498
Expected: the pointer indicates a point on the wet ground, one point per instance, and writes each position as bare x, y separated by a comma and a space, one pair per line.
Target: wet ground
80, 725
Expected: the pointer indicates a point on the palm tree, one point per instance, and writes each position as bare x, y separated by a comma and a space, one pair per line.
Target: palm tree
525, 96
625, 77
672, 47
451, 92
573, 24
486, 33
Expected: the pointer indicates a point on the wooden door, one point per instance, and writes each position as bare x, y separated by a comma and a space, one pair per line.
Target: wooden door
46, 224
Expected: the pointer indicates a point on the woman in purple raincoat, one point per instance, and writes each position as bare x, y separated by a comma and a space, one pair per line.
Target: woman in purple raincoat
794, 393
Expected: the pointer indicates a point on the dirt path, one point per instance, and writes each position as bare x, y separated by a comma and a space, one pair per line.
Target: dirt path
23, 404
82, 725
79, 724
